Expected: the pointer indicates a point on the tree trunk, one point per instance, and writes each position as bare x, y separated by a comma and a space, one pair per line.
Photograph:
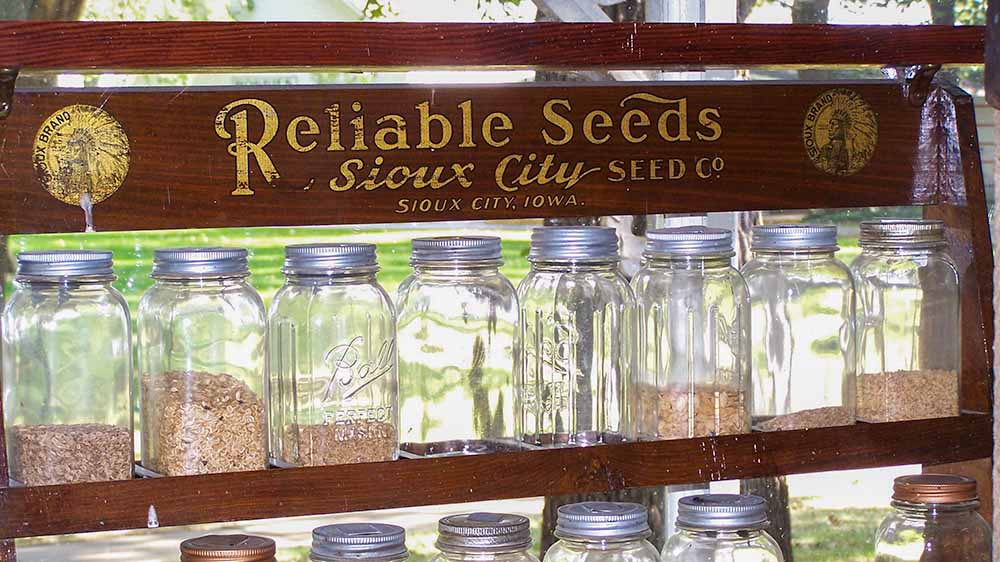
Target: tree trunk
942, 12
774, 489
743, 9
810, 11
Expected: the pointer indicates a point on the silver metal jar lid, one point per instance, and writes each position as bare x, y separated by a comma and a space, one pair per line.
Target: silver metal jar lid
484, 532
914, 233
455, 248
200, 262
359, 541
724, 512
574, 243
319, 259
602, 520
689, 241
65, 263
794, 237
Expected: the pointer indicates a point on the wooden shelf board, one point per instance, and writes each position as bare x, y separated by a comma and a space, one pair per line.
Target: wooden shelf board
51, 510
155, 46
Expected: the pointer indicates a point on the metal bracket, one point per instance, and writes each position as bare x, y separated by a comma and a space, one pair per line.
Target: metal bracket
917, 80
8, 76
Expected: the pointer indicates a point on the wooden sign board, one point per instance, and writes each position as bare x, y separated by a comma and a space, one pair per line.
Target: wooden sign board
184, 158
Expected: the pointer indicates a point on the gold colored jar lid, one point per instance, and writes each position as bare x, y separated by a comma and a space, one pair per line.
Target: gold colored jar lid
228, 548
934, 489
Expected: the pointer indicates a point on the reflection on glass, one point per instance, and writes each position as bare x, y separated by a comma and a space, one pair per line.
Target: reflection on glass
457, 315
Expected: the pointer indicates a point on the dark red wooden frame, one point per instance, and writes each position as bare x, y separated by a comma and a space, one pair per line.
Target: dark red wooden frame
52, 46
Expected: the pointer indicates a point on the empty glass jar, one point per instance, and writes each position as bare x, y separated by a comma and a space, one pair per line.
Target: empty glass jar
228, 548
332, 356
354, 542
934, 519
602, 532
802, 329
693, 362
201, 364
484, 537
909, 341
67, 371
576, 339
457, 316
721, 528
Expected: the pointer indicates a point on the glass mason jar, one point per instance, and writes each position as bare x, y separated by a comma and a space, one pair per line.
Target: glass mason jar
201, 365
484, 537
457, 316
228, 548
909, 331
332, 357
575, 339
721, 528
934, 519
693, 368
354, 542
802, 329
67, 371
602, 532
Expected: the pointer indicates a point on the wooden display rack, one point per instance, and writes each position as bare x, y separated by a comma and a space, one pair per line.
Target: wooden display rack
185, 171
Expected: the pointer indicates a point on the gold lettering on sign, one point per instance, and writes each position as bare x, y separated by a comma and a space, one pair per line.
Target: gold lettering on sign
293, 132
418, 144
242, 148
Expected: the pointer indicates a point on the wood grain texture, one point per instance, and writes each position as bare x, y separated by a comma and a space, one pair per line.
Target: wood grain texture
181, 175
968, 233
159, 45
188, 500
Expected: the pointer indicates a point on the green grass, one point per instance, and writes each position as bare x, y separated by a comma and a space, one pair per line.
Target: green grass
835, 535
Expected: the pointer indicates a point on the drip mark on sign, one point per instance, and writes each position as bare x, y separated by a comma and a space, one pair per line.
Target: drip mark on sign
87, 204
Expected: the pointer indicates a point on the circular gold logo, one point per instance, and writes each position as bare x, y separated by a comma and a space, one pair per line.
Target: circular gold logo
840, 132
81, 149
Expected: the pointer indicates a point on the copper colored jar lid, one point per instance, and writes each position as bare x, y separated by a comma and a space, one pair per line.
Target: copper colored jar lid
934, 489
228, 548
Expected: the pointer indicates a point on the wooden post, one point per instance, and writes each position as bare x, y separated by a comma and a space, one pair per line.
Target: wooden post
992, 76
953, 169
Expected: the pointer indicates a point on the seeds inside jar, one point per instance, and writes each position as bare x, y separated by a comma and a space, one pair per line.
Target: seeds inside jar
202, 423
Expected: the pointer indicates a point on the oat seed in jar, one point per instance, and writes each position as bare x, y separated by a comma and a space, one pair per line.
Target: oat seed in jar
201, 330
67, 371
693, 364
332, 356
909, 330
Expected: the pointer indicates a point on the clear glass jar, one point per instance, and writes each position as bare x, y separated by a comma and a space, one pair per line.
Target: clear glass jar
802, 329
934, 519
721, 528
67, 371
228, 548
457, 316
202, 365
602, 532
484, 537
576, 339
332, 357
909, 328
694, 336
359, 542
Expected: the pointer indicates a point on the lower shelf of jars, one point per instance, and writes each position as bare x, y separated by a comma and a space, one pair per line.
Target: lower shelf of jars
286, 492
